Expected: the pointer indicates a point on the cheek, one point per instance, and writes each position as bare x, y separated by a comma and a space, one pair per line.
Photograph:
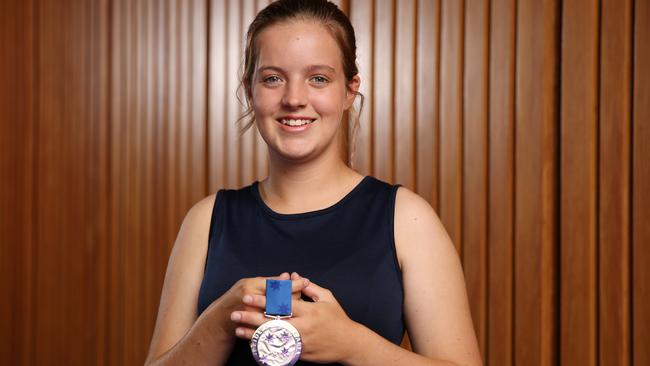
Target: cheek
265, 101
328, 104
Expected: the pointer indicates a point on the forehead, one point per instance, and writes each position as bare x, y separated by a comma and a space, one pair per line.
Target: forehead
298, 43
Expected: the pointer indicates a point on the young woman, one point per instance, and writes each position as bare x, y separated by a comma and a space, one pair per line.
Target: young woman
367, 259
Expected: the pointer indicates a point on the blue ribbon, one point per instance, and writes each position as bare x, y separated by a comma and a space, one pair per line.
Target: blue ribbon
278, 297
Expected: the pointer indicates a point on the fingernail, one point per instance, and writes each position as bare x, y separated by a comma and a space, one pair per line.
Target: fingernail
247, 299
305, 282
239, 332
235, 317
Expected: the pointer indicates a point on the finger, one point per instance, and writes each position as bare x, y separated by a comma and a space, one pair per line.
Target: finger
282, 276
299, 284
252, 318
257, 301
317, 293
244, 333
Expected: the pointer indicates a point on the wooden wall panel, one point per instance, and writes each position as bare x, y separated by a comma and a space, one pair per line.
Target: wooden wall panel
500, 322
579, 143
614, 343
248, 140
18, 98
231, 78
383, 107
69, 228
523, 124
640, 183
217, 92
404, 120
427, 100
475, 162
451, 118
535, 184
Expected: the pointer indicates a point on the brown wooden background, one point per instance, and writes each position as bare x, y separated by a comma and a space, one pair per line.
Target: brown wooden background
525, 123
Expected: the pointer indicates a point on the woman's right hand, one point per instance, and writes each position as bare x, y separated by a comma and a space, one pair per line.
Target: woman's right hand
247, 291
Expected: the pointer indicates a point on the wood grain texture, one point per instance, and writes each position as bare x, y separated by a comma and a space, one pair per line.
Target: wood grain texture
522, 123
427, 100
475, 163
217, 116
18, 98
579, 144
536, 171
615, 105
233, 62
640, 184
384, 91
501, 183
451, 118
405, 81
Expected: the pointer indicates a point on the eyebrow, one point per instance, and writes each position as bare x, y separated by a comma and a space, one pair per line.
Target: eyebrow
310, 68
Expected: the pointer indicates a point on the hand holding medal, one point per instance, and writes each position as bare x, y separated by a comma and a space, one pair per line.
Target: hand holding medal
318, 331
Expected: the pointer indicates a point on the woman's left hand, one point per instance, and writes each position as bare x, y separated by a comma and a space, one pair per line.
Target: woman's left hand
324, 327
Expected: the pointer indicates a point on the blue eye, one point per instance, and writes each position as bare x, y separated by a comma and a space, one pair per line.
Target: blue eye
320, 79
273, 79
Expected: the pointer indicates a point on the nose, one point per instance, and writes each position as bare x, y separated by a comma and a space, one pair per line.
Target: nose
295, 95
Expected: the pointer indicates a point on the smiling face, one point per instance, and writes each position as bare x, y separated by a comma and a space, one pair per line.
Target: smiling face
299, 91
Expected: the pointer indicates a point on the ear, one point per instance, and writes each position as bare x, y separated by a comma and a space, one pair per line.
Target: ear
352, 89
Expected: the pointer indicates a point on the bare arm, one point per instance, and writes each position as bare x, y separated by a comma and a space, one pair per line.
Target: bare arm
179, 335
436, 308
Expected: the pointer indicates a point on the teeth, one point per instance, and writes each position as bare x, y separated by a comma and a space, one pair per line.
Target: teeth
295, 122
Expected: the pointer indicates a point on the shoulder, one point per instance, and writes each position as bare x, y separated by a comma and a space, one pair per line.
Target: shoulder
418, 229
194, 230
200, 213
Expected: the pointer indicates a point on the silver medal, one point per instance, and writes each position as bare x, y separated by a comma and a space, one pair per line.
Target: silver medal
276, 343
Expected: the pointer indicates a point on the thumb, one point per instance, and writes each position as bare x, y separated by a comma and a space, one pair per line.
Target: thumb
318, 293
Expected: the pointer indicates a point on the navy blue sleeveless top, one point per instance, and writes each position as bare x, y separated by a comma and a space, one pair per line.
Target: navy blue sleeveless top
347, 248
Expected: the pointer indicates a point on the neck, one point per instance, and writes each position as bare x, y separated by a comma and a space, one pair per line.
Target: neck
293, 187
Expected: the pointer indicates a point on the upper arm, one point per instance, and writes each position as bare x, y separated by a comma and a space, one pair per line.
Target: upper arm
436, 308
178, 302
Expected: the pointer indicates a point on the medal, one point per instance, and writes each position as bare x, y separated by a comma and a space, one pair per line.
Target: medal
277, 342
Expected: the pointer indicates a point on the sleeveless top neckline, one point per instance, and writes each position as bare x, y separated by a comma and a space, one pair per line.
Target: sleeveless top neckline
258, 197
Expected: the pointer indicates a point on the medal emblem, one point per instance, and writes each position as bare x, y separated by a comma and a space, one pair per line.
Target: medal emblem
277, 342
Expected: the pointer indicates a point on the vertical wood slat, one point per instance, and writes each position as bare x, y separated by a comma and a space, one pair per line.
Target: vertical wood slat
18, 102
116, 152
198, 40
383, 96
501, 183
233, 160
217, 116
451, 118
150, 288
640, 184
404, 120
614, 182
99, 186
578, 189
475, 160
248, 165
361, 17
427, 99
535, 184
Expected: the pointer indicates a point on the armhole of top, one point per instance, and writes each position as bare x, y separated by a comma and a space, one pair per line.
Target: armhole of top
391, 226
215, 224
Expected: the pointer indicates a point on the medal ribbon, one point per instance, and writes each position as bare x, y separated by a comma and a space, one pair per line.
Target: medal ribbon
278, 298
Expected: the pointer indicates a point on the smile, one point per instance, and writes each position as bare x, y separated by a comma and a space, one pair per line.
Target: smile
295, 122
